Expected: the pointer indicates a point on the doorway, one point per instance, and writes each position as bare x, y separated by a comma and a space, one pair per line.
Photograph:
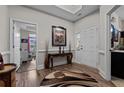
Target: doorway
23, 45
116, 45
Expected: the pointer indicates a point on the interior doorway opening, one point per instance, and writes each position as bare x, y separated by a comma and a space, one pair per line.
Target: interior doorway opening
23, 45
116, 37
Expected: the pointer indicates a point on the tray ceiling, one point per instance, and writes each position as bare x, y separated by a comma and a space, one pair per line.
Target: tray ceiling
67, 12
70, 8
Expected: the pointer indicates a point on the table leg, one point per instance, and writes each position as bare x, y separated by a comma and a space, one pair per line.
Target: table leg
71, 56
47, 62
69, 59
51, 62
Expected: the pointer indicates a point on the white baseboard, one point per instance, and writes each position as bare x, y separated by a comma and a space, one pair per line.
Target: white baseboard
102, 73
17, 67
39, 67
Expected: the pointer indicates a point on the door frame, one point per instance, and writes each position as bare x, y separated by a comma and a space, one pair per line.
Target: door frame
108, 41
12, 39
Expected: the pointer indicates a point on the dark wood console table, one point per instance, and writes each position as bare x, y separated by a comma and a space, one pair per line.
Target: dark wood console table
52, 55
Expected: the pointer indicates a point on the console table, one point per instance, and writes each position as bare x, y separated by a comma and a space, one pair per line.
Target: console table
52, 55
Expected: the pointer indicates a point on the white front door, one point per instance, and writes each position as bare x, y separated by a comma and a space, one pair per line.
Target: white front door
16, 45
88, 47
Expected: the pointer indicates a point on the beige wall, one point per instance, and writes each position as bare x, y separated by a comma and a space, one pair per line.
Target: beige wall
4, 29
88, 21
44, 23
4, 33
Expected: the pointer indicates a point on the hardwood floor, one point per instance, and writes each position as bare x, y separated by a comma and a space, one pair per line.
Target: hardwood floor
33, 78
27, 66
118, 81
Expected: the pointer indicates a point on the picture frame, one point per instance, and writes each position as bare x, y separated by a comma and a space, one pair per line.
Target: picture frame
58, 36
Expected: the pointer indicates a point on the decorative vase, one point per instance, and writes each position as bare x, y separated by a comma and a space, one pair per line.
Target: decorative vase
1, 62
46, 55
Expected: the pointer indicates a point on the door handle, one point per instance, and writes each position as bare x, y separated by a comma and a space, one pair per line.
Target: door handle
81, 47
110, 50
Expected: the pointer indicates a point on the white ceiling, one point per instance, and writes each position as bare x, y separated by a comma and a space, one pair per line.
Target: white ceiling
68, 12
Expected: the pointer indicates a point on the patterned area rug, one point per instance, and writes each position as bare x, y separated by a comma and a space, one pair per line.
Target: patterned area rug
72, 75
66, 78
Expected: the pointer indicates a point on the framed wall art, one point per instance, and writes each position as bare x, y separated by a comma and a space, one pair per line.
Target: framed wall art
58, 36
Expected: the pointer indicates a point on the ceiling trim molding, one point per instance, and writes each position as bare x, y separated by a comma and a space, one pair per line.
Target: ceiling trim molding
41, 11
69, 11
46, 13
86, 15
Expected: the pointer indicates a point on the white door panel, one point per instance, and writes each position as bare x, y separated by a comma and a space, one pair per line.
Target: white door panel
88, 45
